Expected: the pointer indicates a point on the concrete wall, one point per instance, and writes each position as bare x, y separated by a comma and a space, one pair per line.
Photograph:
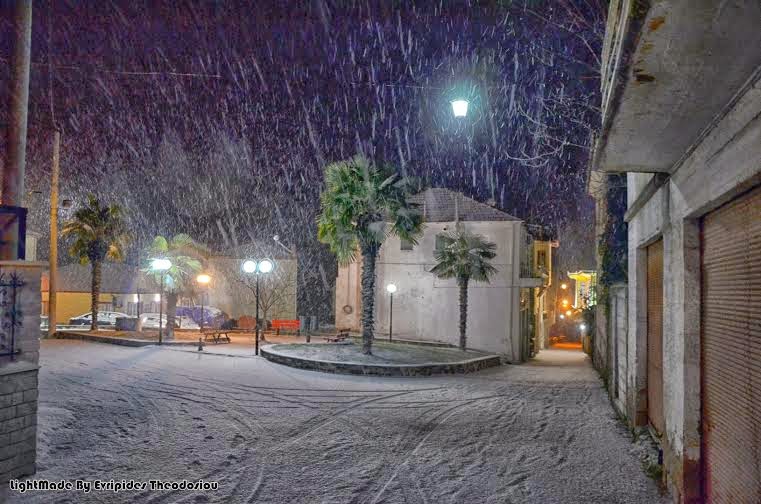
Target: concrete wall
18, 373
427, 308
726, 163
348, 296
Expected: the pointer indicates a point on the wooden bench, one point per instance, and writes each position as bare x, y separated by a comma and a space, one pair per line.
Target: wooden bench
341, 335
289, 325
217, 334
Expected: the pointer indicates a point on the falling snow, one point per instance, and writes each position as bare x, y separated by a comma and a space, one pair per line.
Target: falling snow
217, 118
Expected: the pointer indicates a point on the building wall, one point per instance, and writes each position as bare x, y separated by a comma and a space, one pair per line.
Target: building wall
73, 304
427, 308
348, 290
726, 163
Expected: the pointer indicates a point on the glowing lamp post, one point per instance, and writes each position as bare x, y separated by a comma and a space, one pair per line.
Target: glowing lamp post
261, 267
390, 288
203, 280
459, 108
161, 265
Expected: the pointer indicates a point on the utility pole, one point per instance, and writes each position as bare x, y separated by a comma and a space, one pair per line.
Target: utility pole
53, 280
15, 157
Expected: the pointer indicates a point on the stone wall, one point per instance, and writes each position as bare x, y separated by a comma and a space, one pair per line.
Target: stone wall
18, 420
18, 370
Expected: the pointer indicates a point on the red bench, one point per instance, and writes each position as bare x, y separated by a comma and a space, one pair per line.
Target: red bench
288, 325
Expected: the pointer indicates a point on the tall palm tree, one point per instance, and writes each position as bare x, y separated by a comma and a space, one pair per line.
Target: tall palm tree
184, 254
361, 204
464, 256
99, 233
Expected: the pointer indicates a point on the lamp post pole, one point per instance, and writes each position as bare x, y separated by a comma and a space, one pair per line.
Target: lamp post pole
163, 266
390, 288
257, 312
161, 309
390, 314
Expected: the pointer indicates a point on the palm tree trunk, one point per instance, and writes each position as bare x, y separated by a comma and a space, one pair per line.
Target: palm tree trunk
171, 312
94, 294
463, 284
368, 299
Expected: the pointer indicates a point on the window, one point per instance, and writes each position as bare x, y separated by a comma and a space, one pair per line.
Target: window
541, 259
406, 245
439, 241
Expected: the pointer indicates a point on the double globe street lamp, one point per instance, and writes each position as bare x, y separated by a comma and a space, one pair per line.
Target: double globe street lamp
258, 268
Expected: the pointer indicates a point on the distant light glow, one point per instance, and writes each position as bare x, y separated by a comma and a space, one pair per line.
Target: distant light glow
582, 327
391, 288
203, 279
157, 297
563, 286
565, 302
460, 108
562, 316
161, 264
568, 312
249, 266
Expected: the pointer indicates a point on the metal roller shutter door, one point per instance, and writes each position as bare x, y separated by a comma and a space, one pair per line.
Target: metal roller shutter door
655, 335
731, 346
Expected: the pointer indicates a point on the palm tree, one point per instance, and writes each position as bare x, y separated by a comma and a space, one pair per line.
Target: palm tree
361, 204
99, 233
464, 256
183, 252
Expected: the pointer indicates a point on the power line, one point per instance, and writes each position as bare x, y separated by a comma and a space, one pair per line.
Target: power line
131, 73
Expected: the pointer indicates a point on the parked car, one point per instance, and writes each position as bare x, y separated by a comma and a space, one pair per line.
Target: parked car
151, 320
105, 318
184, 322
212, 317
44, 322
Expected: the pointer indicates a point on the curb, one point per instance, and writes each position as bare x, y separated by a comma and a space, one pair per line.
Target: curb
407, 370
116, 341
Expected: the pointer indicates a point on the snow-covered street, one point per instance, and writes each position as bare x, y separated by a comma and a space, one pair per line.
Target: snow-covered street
538, 433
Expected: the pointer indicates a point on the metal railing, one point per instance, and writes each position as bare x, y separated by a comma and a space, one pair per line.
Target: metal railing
10, 313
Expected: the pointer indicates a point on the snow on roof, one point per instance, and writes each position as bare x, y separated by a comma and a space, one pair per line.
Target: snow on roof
443, 205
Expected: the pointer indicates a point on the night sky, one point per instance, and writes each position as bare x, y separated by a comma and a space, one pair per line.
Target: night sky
217, 118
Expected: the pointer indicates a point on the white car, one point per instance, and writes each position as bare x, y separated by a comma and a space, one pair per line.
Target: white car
105, 318
184, 322
151, 320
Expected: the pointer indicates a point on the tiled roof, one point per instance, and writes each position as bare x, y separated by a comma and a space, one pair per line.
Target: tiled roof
442, 205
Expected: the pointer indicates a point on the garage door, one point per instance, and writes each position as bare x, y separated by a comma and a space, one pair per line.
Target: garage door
731, 291
655, 335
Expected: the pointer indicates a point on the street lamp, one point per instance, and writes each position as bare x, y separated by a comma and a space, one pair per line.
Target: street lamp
264, 266
203, 279
161, 265
459, 108
563, 286
390, 288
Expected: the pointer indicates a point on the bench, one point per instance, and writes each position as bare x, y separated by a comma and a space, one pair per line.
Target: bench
217, 334
341, 335
289, 325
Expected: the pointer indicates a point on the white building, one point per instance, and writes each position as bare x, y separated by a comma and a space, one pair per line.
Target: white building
426, 308
681, 86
